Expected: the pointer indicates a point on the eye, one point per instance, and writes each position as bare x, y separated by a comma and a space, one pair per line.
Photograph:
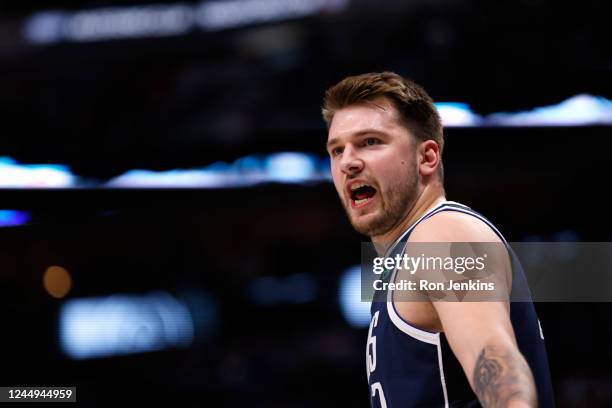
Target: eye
371, 141
335, 151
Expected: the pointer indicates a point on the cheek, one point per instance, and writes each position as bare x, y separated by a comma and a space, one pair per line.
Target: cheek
395, 173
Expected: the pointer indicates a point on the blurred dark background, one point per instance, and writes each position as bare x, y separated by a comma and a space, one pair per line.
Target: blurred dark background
260, 267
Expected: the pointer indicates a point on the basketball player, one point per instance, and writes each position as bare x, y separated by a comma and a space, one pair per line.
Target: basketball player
385, 143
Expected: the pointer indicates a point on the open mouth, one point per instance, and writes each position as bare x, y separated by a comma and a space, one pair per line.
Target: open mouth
361, 194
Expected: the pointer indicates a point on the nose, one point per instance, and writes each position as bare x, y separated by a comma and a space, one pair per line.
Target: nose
351, 163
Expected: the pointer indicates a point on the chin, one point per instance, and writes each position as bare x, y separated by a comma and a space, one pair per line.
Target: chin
371, 227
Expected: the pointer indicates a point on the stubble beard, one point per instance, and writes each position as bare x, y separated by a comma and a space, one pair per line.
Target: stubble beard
395, 205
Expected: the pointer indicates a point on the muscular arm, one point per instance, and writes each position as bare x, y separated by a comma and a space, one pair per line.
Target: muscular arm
481, 337
480, 333
502, 378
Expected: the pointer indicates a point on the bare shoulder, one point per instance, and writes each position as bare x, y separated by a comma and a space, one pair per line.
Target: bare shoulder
453, 226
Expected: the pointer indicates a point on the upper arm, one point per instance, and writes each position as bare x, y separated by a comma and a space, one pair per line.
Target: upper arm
469, 326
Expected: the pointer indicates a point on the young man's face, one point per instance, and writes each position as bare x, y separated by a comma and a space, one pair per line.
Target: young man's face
374, 165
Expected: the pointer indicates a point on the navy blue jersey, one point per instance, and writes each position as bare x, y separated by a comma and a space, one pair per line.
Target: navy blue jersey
411, 367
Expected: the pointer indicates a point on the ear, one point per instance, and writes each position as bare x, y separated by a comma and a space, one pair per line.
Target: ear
429, 157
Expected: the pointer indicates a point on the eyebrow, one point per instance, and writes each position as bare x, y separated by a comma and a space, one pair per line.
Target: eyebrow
332, 141
335, 140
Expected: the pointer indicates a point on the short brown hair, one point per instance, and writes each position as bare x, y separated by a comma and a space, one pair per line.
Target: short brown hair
414, 105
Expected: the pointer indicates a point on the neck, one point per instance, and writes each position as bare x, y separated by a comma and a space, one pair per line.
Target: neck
429, 198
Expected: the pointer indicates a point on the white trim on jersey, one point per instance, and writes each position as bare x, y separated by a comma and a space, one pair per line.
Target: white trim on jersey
403, 325
442, 379
400, 323
421, 335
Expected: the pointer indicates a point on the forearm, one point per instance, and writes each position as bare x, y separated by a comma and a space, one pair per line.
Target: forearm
502, 378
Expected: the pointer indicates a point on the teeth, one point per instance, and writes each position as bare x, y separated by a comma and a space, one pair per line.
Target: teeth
357, 185
359, 202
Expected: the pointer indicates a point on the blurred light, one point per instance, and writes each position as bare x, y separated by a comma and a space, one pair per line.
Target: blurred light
44, 27
217, 15
286, 167
11, 218
172, 178
109, 23
297, 288
297, 167
122, 324
290, 167
355, 311
128, 22
34, 175
578, 110
248, 164
165, 19
57, 281
457, 114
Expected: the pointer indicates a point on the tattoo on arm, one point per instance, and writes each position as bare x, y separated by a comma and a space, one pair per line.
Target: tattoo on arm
502, 376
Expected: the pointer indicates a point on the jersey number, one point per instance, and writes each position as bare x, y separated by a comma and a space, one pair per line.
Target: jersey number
371, 362
378, 387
